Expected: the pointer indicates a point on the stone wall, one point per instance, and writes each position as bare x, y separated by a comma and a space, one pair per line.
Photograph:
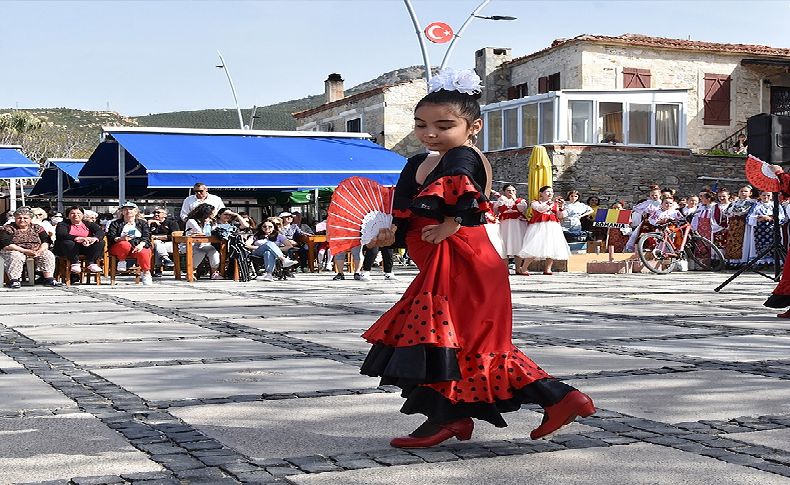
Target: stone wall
567, 60
619, 172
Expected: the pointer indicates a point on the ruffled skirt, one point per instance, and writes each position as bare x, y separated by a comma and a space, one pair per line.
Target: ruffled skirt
545, 240
447, 342
512, 231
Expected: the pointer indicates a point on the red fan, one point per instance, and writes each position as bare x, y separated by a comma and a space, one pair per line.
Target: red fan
359, 208
760, 174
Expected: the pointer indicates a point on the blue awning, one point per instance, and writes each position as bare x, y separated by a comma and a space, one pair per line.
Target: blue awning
240, 160
13, 164
48, 184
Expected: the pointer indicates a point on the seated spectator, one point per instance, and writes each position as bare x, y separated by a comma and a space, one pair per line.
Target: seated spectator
741, 146
90, 216
130, 238
296, 235
251, 225
268, 244
39, 216
230, 219
78, 237
162, 227
201, 222
22, 239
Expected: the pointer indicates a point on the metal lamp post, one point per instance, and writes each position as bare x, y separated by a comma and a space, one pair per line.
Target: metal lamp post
456, 36
224, 66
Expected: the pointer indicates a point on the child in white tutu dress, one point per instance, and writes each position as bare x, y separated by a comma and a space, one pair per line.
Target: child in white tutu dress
544, 238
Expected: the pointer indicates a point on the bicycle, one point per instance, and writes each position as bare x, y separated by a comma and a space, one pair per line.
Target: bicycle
660, 252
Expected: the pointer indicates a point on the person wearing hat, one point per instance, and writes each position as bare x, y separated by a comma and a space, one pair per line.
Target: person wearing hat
200, 196
129, 237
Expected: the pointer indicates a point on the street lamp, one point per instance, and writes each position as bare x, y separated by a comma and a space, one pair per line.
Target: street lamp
224, 67
473, 15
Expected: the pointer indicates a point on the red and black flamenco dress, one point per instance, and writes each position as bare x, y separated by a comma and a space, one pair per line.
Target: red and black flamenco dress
447, 342
780, 298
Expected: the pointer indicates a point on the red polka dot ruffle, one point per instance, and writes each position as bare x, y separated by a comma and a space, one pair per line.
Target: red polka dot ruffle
490, 377
451, 188
424, 319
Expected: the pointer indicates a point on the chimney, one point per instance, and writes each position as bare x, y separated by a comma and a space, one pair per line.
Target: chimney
333, 88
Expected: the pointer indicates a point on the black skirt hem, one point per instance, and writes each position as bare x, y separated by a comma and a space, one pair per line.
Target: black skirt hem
777, 301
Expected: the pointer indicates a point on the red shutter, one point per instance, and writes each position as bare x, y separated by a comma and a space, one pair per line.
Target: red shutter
636, 78
543, 84
512, 92
716, 99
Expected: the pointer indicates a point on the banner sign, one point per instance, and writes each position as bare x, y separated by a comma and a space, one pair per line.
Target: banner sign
612, 218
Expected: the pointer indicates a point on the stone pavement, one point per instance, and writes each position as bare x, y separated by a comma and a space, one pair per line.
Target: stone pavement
221, 382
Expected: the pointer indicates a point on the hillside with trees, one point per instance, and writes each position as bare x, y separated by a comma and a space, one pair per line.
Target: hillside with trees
70, 133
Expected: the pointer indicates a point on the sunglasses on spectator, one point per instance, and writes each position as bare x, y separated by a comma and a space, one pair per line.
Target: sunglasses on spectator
200, 191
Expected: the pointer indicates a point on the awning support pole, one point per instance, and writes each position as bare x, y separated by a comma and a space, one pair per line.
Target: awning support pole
121, 175
60, 190
22, 190
12, 193
316, 205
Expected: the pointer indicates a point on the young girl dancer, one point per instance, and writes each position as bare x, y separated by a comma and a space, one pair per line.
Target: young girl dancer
510, 209
544, 239
447, 342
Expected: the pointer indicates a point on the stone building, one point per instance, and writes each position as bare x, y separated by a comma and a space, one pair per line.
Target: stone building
386, 112
639, 90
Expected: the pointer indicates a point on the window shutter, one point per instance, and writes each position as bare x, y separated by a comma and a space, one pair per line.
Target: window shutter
512, 92
543, 84
554, 82
716, 99
636, 78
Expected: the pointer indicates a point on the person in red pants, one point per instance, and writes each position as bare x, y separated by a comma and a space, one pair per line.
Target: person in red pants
129, 237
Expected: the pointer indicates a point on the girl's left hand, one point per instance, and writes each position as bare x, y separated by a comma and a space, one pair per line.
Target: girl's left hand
437, 233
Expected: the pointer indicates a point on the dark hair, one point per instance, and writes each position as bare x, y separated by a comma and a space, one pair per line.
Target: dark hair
572, 192
653, 187
504, 187
75, 207
271, 237
707, 194
201, 212
543, 189
465, 104
222, 211
593, 197
723, 189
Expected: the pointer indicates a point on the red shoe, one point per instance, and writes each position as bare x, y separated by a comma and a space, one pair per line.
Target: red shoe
461, 429
784, 315
575, 403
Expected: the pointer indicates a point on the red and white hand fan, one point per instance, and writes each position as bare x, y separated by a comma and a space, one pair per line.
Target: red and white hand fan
760, 174
359, 208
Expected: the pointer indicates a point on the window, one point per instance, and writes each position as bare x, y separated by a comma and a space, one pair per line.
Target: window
639, 119
546, 122
529, 124
580, 116
511, 127
518, 91
610, 121
716, 99
494, 130
354, 126
636, 78
667, 116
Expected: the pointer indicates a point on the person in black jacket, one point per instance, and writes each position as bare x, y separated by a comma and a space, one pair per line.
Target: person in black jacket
162, 228
75, 236
130, 238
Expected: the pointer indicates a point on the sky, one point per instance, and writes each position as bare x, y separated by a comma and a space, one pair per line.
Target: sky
141, 57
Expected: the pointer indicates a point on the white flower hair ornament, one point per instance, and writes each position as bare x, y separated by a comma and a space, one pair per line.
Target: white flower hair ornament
463, 80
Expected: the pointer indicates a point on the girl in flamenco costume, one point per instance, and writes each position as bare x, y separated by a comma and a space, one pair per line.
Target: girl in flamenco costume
780, 298
447, 342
